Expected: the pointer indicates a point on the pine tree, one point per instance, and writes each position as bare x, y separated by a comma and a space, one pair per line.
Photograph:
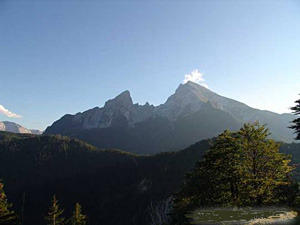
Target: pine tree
296, 125
78, 218
7, 217
54, 216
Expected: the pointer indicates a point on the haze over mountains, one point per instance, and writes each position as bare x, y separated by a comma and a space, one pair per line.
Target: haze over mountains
191, 114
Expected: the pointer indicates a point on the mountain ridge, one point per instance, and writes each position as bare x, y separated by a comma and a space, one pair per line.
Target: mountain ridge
150, 129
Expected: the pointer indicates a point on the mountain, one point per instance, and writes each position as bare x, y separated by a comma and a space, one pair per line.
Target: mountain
37, 132
191, 114
16, 128
114, 187
13, 128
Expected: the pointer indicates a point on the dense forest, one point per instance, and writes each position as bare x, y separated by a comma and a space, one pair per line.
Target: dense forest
112, 186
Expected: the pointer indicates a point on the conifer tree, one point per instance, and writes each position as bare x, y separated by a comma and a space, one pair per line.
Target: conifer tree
7, 217
296, 122
78, 218
55, 214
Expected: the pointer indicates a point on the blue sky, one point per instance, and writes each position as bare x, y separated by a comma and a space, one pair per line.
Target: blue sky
59, 57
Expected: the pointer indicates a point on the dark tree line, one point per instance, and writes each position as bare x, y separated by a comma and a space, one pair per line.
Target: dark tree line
106, 182
54, 216
296, 122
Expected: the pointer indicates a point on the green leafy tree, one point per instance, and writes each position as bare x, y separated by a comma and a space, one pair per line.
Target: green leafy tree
264, 169
296, 122
55, 214
7, 217
241, 168
78, 218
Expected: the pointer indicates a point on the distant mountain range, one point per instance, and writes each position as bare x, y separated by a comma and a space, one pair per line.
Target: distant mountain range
16, 128
191, 114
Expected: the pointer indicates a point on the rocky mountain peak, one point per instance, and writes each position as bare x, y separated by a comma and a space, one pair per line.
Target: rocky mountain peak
122, 100
189, 93
187, 98
192, 87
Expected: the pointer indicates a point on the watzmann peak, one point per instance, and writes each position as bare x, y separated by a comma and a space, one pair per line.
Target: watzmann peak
191, 114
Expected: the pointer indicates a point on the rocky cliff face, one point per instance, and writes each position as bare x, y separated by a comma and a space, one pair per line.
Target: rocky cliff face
117, 112
192, 113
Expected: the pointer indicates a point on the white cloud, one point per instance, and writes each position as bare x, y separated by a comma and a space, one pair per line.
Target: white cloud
196, 77
8, 113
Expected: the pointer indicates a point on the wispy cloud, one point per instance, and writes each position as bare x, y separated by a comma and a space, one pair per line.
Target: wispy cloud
195, 76
8, 113
105, 52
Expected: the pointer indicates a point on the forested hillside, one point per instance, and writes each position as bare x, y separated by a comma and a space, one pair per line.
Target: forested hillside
113, 187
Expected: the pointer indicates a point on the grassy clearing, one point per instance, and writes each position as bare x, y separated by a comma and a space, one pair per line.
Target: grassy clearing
245, 216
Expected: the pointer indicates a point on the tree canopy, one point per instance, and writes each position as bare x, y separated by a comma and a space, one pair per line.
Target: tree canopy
242, 168
296, 122
7, 217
